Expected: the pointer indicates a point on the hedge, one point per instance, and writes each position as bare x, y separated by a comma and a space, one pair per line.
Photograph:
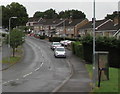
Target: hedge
77, 49
58, 39
112, 45
42, 37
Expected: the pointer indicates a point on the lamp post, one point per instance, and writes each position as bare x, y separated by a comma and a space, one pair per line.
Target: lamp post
64, 31
94, 61
9, 32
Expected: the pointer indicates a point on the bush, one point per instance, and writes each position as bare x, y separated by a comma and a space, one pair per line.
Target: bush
42, 37
55, 39
73, 47
77, 49
58, 39
110, 44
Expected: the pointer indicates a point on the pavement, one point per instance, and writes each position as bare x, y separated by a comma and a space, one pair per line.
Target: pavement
80, 80
5, 53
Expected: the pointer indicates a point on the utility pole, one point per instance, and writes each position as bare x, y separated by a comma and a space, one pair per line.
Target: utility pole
94, 65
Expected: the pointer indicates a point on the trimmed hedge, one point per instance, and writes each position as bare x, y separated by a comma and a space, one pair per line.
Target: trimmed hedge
77, 49
42, 37
112, 45
58, 39
55, 39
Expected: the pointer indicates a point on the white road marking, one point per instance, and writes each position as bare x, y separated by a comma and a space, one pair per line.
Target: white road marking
30, 72
4, 83
17, 79
39, 67
27, 74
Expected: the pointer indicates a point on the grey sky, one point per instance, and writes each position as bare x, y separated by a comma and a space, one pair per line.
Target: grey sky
103, 7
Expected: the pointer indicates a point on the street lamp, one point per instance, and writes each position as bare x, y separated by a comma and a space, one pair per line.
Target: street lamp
94, 60
9, 33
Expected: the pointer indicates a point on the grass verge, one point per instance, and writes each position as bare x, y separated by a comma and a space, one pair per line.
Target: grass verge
107, 86
13, 60
10, 60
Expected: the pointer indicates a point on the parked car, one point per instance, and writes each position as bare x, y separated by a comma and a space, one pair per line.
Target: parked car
36, 35
65, 42
60, 52
55, 44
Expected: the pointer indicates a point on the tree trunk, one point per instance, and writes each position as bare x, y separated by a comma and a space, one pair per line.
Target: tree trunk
13, 52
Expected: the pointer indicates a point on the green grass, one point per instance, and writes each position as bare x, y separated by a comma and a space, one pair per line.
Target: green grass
11, 60
106, 86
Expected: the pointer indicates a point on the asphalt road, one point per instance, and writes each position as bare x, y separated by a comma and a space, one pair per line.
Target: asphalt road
39, 70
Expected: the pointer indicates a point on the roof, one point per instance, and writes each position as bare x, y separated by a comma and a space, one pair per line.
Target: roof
108, 26
32, 19
90, 24
70, 22
49, 21
101, 25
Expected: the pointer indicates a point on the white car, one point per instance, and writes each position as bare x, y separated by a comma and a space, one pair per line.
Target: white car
65, 42
55, 44
60, 52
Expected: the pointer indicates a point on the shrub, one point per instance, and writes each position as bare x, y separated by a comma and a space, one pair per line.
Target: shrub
110, 44
55, 39
77, 49
42, 37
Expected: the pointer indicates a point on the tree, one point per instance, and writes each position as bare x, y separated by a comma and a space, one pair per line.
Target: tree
74, 14
38, 14
14, 10
113, 15
48, 14
16, 39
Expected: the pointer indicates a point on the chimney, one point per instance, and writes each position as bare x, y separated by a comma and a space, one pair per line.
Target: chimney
70, 20
116, 20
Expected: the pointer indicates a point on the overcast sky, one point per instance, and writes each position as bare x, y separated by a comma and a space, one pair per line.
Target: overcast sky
103, 7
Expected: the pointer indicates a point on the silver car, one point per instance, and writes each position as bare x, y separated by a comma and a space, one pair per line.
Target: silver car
55, 44
60, 52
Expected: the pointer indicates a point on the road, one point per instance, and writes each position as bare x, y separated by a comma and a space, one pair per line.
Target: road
39, 70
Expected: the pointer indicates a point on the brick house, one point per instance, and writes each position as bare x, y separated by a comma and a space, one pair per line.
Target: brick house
69, 27
102, 28
46, 26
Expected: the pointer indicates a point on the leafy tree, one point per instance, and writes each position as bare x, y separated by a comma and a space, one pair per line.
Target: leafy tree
74, 14
112, 16
16, 39
48, 14
14, 10
38, 14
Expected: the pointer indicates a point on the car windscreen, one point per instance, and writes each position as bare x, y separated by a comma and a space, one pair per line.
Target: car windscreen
56, 43
60, 49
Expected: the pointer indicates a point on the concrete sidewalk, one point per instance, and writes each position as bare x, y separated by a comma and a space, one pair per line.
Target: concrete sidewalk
80, 80
6, 52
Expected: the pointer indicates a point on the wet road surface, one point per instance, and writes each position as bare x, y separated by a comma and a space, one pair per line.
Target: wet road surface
39, 70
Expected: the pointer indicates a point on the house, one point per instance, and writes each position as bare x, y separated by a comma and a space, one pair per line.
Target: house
117, 34
32, 20
69, 27
105, 27
47, 26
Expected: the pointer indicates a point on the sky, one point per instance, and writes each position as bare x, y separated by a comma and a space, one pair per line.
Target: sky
102, 7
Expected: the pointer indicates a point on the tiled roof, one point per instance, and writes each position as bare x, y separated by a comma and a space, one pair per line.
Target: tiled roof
108, 26
49, 21
90, 24
70, 22
101, 25
31, 19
